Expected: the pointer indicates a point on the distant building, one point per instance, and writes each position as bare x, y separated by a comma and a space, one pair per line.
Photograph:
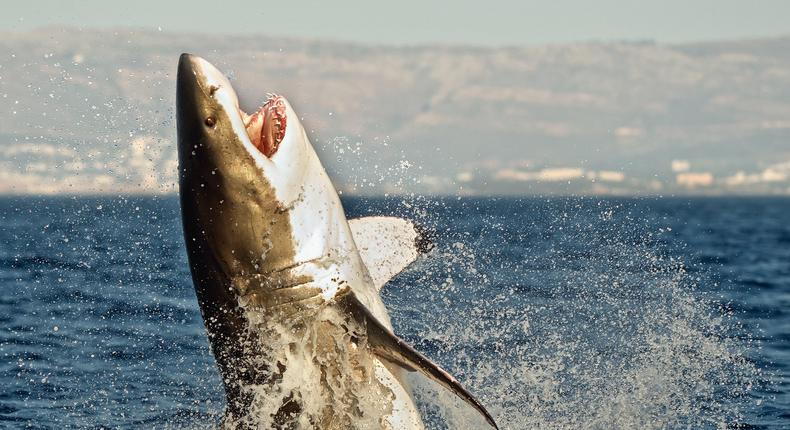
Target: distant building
552, 174
679, 166
611, 176
694, 180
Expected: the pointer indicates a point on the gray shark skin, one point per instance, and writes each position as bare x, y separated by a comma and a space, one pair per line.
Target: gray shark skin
294, 318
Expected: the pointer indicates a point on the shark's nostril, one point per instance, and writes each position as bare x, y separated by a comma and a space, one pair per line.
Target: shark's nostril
212, 89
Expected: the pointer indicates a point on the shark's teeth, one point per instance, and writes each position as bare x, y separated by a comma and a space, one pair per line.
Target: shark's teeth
266, 127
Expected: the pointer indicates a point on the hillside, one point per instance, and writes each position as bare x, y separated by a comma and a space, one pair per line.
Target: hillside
92, 111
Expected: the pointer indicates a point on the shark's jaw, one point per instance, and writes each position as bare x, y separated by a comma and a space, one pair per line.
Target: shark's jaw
272, 136
257, 205
264, 130
252, 186
236, 173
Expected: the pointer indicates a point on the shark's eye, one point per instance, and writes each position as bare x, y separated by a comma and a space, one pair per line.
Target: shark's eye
210, 121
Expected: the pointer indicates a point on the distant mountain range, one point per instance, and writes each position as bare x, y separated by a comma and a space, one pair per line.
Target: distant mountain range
92, 112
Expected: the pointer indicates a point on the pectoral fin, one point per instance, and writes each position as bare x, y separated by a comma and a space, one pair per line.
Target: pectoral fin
388, 245
387, 346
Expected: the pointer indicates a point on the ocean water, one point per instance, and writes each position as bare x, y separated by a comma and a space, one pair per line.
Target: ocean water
561, 313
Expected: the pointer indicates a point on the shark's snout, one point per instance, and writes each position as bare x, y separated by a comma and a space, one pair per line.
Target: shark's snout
186, 65
197, 76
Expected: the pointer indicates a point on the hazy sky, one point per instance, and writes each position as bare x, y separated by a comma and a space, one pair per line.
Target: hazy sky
422, 21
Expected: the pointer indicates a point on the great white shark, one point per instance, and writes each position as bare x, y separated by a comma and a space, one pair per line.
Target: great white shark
287, 286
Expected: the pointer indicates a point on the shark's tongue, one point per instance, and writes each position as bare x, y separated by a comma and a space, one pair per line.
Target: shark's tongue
266, 127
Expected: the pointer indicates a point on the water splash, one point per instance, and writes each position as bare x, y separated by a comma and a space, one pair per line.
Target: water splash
573, 320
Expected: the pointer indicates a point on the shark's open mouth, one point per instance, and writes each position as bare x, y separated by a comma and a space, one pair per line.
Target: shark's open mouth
266, 127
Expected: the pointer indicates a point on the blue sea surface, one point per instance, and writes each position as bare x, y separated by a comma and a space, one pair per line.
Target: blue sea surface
560, 313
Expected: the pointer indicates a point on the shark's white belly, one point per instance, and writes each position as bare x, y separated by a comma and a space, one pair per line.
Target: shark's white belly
404, 414
404, 411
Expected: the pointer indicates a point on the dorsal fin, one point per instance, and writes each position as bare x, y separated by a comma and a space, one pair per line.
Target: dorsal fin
387, 245
385, 345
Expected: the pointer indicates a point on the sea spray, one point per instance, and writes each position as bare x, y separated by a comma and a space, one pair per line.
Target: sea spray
571, 315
